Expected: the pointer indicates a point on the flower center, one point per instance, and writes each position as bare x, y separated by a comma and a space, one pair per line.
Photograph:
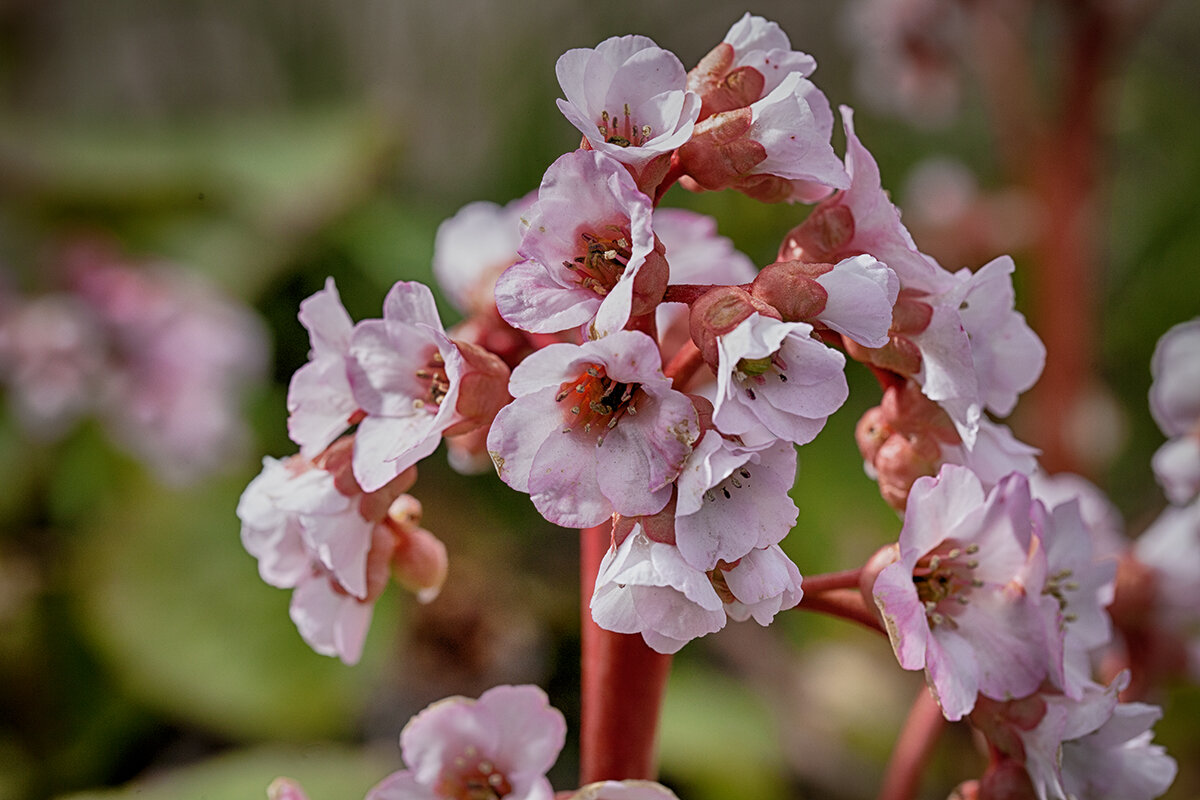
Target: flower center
622, 131
753, 372
944, 581
472, 778
602, 261
595, 400
433, 378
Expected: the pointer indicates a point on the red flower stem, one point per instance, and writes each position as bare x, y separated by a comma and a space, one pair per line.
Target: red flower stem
843, 603
846, 579
914, 747
623, 682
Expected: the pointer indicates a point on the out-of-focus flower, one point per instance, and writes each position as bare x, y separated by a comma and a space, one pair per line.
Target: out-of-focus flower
1175, 404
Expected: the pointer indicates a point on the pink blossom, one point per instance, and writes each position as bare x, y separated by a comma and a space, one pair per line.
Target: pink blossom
1171, 546
320, 402
473, 247
963, 600
285, 789
733, 498
629, 99
860, 292
1175, 406
587, 242
1095, 748
595, 429
405, 374
762, 583
1102, 519
500, 745
647, 587
774, 374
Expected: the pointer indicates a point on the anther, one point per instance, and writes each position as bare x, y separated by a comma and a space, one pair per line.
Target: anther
736, 483
972, 549
725, 492
972, 563
745, 473
750, 393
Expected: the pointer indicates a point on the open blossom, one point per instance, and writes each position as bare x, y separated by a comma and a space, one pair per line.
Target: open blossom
407, 377
595, 429
963, 600
646, 587
314, 531
473, 247
500, 745
1175, 404
733, 498
588, 253
774, 374
629, 99
1095, 748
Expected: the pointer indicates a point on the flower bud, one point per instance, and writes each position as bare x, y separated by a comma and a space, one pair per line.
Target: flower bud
718, 312
721, 151
877, 563
419, 561
791, 287
900, 461
821, 237
482, 391
872, 430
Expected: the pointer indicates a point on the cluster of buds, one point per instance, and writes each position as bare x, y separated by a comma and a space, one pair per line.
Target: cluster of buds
623, 366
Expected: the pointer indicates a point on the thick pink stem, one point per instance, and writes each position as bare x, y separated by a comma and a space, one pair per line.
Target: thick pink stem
623, 686
913, 748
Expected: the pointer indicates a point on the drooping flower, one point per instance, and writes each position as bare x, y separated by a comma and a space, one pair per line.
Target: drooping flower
623, 790
473, 247
588, 252
775, 375
963, 600
595, 429
499, 746
629, 99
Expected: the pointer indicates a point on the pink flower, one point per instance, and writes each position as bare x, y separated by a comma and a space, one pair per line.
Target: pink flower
314, 531
320, 402
762, 583
623, 790
588, 251
595, 429
407, 377
733, 499
774, 374
629, 99
963, 600
1095, 748
1175, 406
754, 57
1171, 546
500, 745
473, 247
647, 587
285, 789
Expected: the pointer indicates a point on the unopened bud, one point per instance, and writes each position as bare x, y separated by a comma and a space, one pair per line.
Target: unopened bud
650, 284
482, 389
718, 312
824, 236
285, 789
721, 151
871, 432
791, 287
420, 563
877, 563
900, 461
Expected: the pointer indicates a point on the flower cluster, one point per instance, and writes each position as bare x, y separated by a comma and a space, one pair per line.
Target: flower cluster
632, 373
159, 356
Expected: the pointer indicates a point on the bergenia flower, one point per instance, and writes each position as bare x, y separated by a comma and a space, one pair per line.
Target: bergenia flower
1095, 748
473, 247
499, 746
963, 600
407, 378
588, 252
775, 375
629, 99
761, 584
754, 57
595, 429
733, 498
623, 790
1175, 405
320, 403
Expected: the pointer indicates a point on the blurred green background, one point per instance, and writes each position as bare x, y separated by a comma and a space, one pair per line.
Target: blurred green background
268, 144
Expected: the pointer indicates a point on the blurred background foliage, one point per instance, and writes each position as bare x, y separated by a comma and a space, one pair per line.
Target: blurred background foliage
267, 144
